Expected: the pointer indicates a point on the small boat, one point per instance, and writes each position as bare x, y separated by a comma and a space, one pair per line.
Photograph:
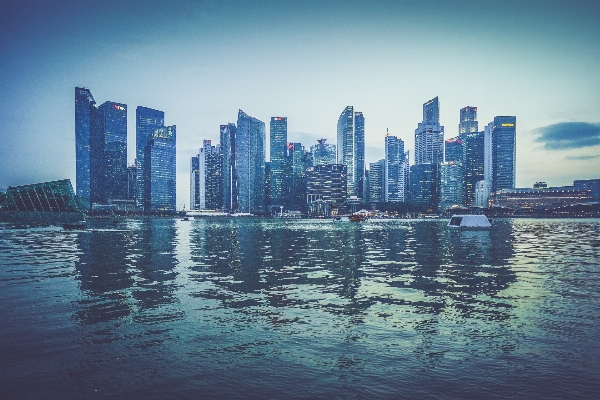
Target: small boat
469, 222
74, 225
341, 218
357, 218
185, 219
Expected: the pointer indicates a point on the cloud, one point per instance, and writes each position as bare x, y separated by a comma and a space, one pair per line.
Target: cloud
582, 158
568, 135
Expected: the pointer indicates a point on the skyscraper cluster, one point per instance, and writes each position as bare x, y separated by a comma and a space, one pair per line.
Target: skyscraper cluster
102, 175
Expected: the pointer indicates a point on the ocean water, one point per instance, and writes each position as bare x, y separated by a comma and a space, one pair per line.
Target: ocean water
259, 309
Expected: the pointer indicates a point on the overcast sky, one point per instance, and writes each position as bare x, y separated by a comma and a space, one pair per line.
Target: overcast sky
201, 61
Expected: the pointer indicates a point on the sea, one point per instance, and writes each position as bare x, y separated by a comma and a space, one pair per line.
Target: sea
161, 308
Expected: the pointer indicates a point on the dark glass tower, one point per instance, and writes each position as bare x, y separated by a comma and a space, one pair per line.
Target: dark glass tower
250, 152
454, 150
227, 138
504, 135
159, 171
115, 150
351, 148
278, 141
429, 135
84, 104
425, 185
393, 189
146, 121
473, 149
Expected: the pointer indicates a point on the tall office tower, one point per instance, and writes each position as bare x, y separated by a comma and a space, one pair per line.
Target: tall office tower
451, 184
474, 163
299, 161
483, 190
351, 148
323, 153
425, 185
131, 182
326, 182
159, 171
84, 103
394, 159
146, 121
429, 135
278, 168
195, 183
210, 182
454, 149
97, 159
227, 139
487, 152
115, 150
468, 120
376, 182
250, 151
504, 152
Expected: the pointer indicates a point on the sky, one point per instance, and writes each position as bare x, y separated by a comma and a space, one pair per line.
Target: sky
202, 61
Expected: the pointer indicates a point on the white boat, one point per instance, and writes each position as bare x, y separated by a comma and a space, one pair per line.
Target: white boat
469, 222
341, 218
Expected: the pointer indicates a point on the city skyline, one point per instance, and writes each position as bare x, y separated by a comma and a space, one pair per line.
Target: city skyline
538, 66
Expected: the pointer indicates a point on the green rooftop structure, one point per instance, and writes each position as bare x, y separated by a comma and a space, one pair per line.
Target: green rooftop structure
47, 202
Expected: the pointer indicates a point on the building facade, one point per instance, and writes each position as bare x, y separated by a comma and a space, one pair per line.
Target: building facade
114, 122
229, 193
474, 164
250, 150
323, 153
425, 185
160, 171
84, 103
503, 137
451, 184
195, 183
376, 182
327, 183
146, 121
351, 148
429, 135
394, 178
278, 165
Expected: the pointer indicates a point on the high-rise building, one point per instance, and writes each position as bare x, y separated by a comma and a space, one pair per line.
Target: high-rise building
160, 172
323, 153
454, 150
250, 143
278, 167
327, 182
209, 189
376, 182
195, 183
229, 192
146, 121
473, 163
504, 152
298, 160
429, 135
468, 120
351, 148
132, 171
84, 103
425, 185
451, 184
114, 117
483, 190
394, 178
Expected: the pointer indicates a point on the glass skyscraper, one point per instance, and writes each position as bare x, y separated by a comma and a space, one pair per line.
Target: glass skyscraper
195, 183
323, 153
351, 148
229, 192
84, 102
160, 172
376, 181
429, 135
504, 152
394, 162
474, 153
146, 121
278, 168
454, 150
468, 120
115, 150
250, 142
425, 185
209, 183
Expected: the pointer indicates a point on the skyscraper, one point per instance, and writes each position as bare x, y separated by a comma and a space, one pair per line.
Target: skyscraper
115, 150
84, 102
425, 185
504, 152
209, 183
146, 121
351, 148
159, 171
299, 160
195, 183
376, 181
250, 150
229, 192
278, 150
468, 120
454, 149
323, 153
429, 135
394, 162
474, 159
451, 184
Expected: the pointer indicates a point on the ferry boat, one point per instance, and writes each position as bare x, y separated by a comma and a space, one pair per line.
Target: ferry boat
341, 218
469, 222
